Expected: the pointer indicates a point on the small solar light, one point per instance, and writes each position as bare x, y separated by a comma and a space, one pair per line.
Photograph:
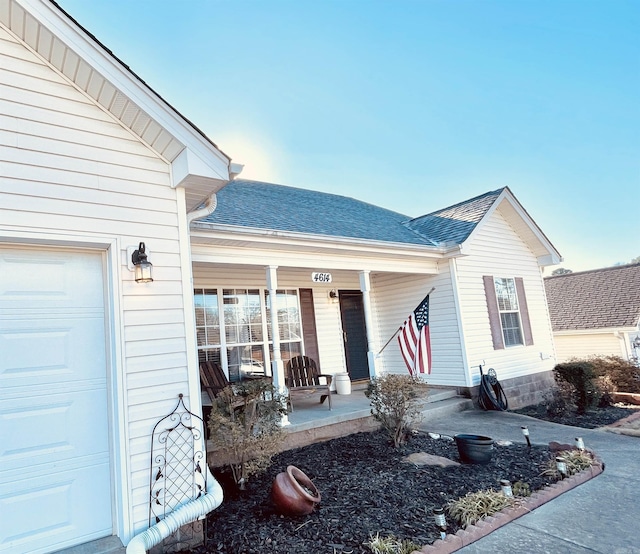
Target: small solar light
505, 485
561, 466
441, 521
579, 443
525, 432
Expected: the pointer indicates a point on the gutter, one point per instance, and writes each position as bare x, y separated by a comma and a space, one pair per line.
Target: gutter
192, 510
211, 202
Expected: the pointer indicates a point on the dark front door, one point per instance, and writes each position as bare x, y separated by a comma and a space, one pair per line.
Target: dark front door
354, 334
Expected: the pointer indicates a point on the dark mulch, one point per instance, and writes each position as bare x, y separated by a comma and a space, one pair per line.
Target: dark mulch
597, 417
366, 489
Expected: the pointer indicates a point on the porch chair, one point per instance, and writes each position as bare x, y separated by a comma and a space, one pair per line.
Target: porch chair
213, 379
302, 378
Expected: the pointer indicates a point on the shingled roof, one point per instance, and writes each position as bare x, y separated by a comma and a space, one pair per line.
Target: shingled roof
260, 205
599, 299
455, 223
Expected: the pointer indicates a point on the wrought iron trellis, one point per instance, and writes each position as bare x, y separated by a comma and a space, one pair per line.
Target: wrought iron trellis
178, 473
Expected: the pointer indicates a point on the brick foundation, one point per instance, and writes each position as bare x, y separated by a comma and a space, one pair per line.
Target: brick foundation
520, 391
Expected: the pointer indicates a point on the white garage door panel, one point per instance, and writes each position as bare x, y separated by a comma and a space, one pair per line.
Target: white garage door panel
55, 476
44, 351
49, 427
31, 279
45, 511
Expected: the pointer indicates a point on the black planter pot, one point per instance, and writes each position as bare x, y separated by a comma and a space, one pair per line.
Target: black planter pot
474, 449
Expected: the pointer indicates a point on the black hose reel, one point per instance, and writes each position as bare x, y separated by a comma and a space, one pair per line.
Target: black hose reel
492, 396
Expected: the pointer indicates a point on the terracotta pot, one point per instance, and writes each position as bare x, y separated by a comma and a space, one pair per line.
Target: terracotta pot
293, 493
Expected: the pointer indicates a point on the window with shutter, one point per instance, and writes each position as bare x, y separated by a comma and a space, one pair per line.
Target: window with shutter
508, 312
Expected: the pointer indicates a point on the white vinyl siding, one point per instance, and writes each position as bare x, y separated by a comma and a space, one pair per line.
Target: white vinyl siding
394, 298
585, 344
70, 170
495, 249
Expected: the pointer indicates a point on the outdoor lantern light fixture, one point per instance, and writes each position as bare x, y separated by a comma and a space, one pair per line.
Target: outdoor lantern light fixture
333, 296
142, 267
636, 342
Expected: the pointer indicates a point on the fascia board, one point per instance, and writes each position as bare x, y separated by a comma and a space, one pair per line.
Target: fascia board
332, 261
596, 331
299, 240
124, 80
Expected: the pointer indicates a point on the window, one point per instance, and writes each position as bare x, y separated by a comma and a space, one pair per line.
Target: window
508, 313
237, 339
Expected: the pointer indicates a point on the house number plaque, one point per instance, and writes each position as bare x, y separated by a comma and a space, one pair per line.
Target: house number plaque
317, 277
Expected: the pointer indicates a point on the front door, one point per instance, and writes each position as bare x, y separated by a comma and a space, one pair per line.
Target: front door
354, 333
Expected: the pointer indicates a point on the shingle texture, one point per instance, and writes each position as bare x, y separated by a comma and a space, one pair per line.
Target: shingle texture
599, 299
259, 205
455, 223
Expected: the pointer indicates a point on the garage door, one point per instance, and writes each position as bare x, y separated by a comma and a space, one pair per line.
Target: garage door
55, 479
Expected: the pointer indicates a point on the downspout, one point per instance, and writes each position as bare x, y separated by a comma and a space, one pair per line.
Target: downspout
192, 510
211, 203
208, 208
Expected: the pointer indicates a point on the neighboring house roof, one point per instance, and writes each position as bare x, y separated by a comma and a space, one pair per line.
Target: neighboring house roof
599, 299
260, 205
454, 224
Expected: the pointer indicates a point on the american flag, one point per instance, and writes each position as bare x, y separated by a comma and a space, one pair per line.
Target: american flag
415, 343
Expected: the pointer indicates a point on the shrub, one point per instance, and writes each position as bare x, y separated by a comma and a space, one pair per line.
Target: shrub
614, 371
395, 403
476, 505
575, 461
245, 425
559, 400
581, 376
391, 545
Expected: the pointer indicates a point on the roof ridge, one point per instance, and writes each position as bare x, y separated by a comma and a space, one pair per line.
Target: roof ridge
597, 270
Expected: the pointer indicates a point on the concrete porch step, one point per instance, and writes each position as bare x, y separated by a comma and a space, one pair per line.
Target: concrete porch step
446, 406
107, 545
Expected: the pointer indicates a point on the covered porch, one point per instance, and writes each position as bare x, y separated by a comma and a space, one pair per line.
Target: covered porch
313, 422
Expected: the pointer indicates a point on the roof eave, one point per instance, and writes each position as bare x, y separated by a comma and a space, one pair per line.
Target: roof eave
83, 61
272, 235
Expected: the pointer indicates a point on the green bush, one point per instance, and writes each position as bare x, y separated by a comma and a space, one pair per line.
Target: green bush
245, 425
395, 403
580, 374
617, 373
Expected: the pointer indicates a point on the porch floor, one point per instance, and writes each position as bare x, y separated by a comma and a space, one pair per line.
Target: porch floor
311, 422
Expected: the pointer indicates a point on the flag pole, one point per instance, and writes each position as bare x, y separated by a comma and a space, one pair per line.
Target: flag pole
399, 329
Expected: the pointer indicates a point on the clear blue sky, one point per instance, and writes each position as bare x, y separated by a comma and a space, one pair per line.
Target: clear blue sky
411, 105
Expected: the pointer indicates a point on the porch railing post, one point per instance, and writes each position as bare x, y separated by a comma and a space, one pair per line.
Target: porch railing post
365, 288
277, 367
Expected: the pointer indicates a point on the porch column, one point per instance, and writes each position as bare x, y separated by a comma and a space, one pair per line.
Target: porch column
365, 288
277, 368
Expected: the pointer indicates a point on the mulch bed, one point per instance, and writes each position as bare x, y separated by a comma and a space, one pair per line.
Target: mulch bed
597, 417
366, 490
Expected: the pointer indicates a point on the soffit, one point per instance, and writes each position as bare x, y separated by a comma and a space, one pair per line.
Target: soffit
167, 133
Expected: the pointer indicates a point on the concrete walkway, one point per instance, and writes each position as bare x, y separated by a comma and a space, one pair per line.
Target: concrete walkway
601, 515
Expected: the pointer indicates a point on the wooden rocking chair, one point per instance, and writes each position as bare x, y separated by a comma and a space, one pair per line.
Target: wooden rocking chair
302, 377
